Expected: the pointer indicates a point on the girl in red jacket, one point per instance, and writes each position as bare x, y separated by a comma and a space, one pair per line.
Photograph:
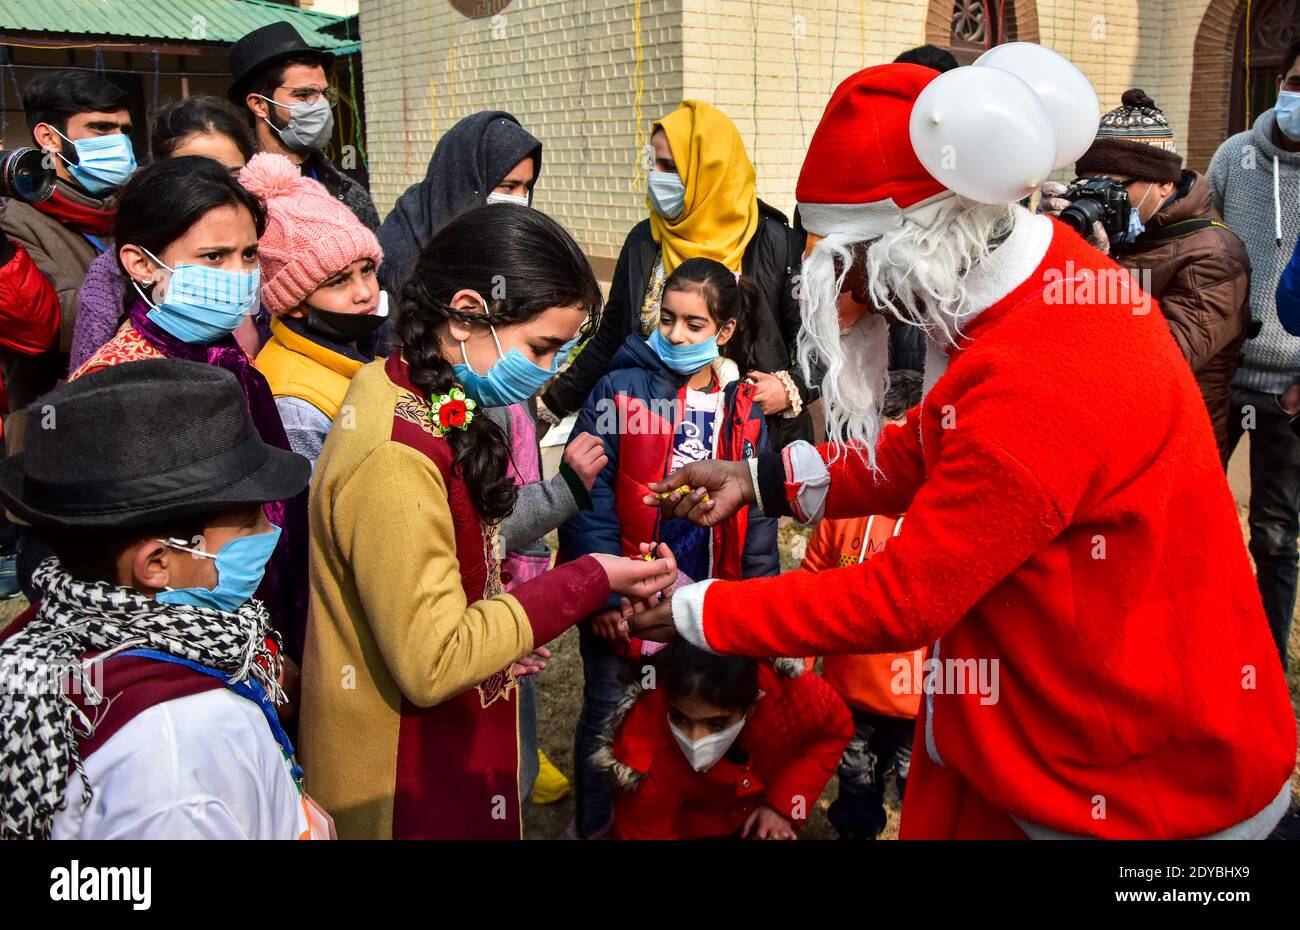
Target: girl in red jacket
722, 746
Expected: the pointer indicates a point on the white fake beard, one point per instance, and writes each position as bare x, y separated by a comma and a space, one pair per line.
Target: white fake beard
915, 275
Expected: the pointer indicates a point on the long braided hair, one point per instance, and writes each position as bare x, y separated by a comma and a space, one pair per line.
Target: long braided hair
534, 265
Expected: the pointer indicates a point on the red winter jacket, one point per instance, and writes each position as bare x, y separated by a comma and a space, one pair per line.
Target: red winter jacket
1069, 524
29, 307
783, 758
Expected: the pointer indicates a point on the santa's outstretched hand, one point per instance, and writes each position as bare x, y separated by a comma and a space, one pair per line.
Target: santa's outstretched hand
718, 490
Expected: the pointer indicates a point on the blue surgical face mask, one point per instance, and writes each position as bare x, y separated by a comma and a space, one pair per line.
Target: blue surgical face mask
1135, 225
667, 193
241, 563
203, 304
512, 379
103, 162
685, 359
1287, 109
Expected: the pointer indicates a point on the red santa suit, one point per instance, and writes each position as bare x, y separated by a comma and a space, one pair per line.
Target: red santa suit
1071, 538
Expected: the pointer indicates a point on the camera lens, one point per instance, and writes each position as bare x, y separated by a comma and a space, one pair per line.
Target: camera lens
1082, 214
24, 174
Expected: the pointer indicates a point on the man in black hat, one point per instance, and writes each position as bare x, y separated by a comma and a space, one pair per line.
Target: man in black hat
284, 84
145, 677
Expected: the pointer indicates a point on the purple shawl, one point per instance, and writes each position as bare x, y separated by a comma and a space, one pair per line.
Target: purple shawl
284, 589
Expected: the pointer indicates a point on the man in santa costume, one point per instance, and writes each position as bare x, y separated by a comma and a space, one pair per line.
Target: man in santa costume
1069, 529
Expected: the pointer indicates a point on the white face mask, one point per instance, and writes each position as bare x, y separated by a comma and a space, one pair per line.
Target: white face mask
704, 753
498, 197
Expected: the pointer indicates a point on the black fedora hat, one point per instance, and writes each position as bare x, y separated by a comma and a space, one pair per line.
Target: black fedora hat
143, 443
264, 48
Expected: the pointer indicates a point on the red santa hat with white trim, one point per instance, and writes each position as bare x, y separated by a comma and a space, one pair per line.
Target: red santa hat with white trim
861, 175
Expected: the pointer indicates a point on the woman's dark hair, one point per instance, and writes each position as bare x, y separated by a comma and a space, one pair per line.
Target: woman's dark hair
729, 682
728, 298
523, 263
177, 121
164, 199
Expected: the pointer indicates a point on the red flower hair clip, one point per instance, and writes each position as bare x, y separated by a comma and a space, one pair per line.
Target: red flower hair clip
452, 410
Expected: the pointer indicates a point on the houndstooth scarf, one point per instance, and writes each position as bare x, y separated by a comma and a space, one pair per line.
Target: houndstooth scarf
45, 659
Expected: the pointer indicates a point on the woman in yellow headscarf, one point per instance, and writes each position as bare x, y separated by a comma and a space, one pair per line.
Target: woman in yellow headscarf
702, 204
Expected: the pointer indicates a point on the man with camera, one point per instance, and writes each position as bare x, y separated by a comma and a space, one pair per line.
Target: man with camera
82, 122
1136, 202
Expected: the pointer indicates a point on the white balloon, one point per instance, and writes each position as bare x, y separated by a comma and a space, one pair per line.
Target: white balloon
984, 134
1064, 89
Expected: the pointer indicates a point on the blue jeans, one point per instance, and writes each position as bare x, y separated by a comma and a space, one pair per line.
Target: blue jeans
602, 688
1274, 505
528, 762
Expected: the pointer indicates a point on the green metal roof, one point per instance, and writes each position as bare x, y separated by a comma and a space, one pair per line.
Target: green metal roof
220, 21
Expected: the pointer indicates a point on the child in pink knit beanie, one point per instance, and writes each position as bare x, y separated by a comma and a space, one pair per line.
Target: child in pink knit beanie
319, 282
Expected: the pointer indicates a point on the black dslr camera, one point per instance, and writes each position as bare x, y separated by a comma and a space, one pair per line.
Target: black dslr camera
1097, 200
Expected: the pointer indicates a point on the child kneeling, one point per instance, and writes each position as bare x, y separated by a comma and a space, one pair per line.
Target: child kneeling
721, 747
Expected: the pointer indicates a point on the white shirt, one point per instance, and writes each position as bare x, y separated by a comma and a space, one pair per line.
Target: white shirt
205, 766
696, 433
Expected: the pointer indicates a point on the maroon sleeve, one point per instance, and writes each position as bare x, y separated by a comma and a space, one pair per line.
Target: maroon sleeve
29, 307
560, 598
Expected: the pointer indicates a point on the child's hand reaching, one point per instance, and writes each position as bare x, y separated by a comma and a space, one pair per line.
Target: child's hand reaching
610, 626
585, 454
532, 663
637, 577
766, 824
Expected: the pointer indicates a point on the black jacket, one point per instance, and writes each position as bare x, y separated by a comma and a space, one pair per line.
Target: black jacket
772, 259
345, 188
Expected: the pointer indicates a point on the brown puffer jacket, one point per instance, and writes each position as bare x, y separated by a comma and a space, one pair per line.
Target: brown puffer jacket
1202, 283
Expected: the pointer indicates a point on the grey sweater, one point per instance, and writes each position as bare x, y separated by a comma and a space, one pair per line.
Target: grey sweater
542, 505
1257, 190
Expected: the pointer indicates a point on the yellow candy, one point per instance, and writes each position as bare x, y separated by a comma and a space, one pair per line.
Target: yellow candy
683, 491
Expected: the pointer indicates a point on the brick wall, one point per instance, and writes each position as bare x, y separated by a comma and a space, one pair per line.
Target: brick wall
566, 69
772, 70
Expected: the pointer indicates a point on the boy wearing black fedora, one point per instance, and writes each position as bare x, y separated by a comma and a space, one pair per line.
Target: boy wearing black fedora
146, 677
283, 84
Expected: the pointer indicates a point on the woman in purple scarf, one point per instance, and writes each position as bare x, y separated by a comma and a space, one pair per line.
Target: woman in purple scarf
196, 125
186, 238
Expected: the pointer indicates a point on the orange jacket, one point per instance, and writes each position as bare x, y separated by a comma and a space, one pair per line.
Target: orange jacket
866, 682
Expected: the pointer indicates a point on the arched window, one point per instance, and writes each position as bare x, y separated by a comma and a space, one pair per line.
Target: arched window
978, 25
1274, 24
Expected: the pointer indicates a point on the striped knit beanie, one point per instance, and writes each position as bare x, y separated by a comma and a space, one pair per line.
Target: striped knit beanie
1135, 140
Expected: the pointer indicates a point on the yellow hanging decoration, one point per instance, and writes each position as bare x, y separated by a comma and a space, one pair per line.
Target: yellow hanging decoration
639, 171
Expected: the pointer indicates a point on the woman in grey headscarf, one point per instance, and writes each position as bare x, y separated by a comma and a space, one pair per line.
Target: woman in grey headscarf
487, 157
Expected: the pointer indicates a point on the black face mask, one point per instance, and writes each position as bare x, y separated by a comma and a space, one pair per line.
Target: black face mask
343, 328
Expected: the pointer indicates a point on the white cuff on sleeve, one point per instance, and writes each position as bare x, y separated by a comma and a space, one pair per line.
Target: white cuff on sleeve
804, 467
688, 613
